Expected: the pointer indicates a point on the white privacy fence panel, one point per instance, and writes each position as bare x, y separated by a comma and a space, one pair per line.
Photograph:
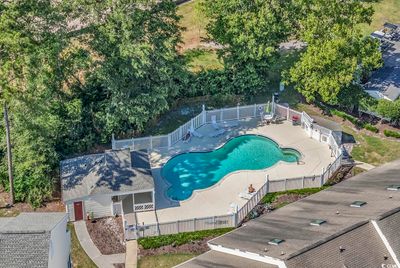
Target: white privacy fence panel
230, 114
280, 110
247, 111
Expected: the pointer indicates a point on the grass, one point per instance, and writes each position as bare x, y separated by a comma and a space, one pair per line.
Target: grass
194, 23
78, 255
164, 261
373, 150
179, 239
271, 197
203, 59
385, 11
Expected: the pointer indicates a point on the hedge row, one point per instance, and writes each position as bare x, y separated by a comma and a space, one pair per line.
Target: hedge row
391, 133
179, 239
355, 121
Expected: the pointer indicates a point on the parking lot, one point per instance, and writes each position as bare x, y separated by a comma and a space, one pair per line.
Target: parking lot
385, 82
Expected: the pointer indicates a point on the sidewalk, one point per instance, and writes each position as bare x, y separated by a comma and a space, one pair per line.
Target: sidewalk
102, 261
131, 254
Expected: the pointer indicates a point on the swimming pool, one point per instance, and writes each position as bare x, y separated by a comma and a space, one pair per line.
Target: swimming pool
199, 170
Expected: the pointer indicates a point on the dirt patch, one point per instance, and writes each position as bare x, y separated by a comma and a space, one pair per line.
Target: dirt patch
107, 234
196, 247
51, 206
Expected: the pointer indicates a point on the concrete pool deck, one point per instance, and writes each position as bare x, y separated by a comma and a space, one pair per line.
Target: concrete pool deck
218, 199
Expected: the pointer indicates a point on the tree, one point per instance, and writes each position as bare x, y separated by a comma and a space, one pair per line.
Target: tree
337, 56
137, 64
389, 109
31, 37
249, 31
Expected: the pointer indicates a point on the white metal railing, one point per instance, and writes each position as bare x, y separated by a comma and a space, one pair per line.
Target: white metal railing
143, 207
236, 218
166, 141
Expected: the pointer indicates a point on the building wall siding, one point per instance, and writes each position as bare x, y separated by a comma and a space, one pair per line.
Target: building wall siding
99, 205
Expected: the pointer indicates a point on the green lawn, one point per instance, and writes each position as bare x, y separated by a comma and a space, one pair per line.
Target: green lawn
78, 255
194, 23
199, 59
164, 261
385, 11
373, 150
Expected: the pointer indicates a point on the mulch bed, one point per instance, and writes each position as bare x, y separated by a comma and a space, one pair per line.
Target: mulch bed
107, 234
198, 247
51, 206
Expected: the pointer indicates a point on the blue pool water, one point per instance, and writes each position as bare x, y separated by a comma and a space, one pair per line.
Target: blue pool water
200, 170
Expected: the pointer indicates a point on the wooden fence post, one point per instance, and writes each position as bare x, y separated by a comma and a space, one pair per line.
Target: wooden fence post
204, 113
287, 113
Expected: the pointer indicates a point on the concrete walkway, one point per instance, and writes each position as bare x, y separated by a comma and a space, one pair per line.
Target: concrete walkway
102, 261
364, 165
131, 254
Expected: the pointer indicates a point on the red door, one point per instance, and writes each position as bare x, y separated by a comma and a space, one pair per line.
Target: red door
78, 210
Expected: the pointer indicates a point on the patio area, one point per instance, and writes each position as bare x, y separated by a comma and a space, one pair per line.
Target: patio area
223, 197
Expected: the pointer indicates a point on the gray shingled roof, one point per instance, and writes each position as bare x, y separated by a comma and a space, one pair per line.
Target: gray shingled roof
113, 171
25, 239
24, 250
32, 222
308, 246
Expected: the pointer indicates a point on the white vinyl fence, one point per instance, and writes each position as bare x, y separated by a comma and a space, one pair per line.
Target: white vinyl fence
233, 220
205, 117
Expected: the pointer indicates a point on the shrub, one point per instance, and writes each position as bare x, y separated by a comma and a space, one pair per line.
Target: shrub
345, 116
179, 239
391, 133
371, 128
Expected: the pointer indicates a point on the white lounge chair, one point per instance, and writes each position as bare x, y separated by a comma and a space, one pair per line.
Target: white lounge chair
229, 124
214, 122
246, 195
195, 133
217, 133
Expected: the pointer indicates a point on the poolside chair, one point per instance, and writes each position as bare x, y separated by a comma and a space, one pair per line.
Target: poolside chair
195, 133
214, 122
230, 124
217, 133
246, 195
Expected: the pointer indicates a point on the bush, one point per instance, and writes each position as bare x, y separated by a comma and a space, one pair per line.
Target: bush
371, 128
391, 133
179, 239
345, 116
271, 197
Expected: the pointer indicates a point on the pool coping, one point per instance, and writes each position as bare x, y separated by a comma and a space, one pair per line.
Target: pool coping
197, 191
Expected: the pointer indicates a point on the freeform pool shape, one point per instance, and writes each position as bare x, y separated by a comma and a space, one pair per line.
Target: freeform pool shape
199, 170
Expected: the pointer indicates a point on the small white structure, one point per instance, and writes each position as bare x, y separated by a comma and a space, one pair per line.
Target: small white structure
108, 184
35, 240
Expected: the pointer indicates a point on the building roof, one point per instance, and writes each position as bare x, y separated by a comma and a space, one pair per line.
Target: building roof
392, 92
25, 239
345, 225
30, 222
213, 259
112, 171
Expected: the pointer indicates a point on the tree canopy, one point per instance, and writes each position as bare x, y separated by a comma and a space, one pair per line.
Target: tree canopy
336, 56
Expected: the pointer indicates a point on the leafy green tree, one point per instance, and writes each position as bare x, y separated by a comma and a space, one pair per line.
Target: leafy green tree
249, 31
137, 66
337, 56
389, 109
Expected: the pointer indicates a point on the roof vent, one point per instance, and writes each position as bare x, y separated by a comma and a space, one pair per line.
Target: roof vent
358, 204
317, 222
275, 241
393, 187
